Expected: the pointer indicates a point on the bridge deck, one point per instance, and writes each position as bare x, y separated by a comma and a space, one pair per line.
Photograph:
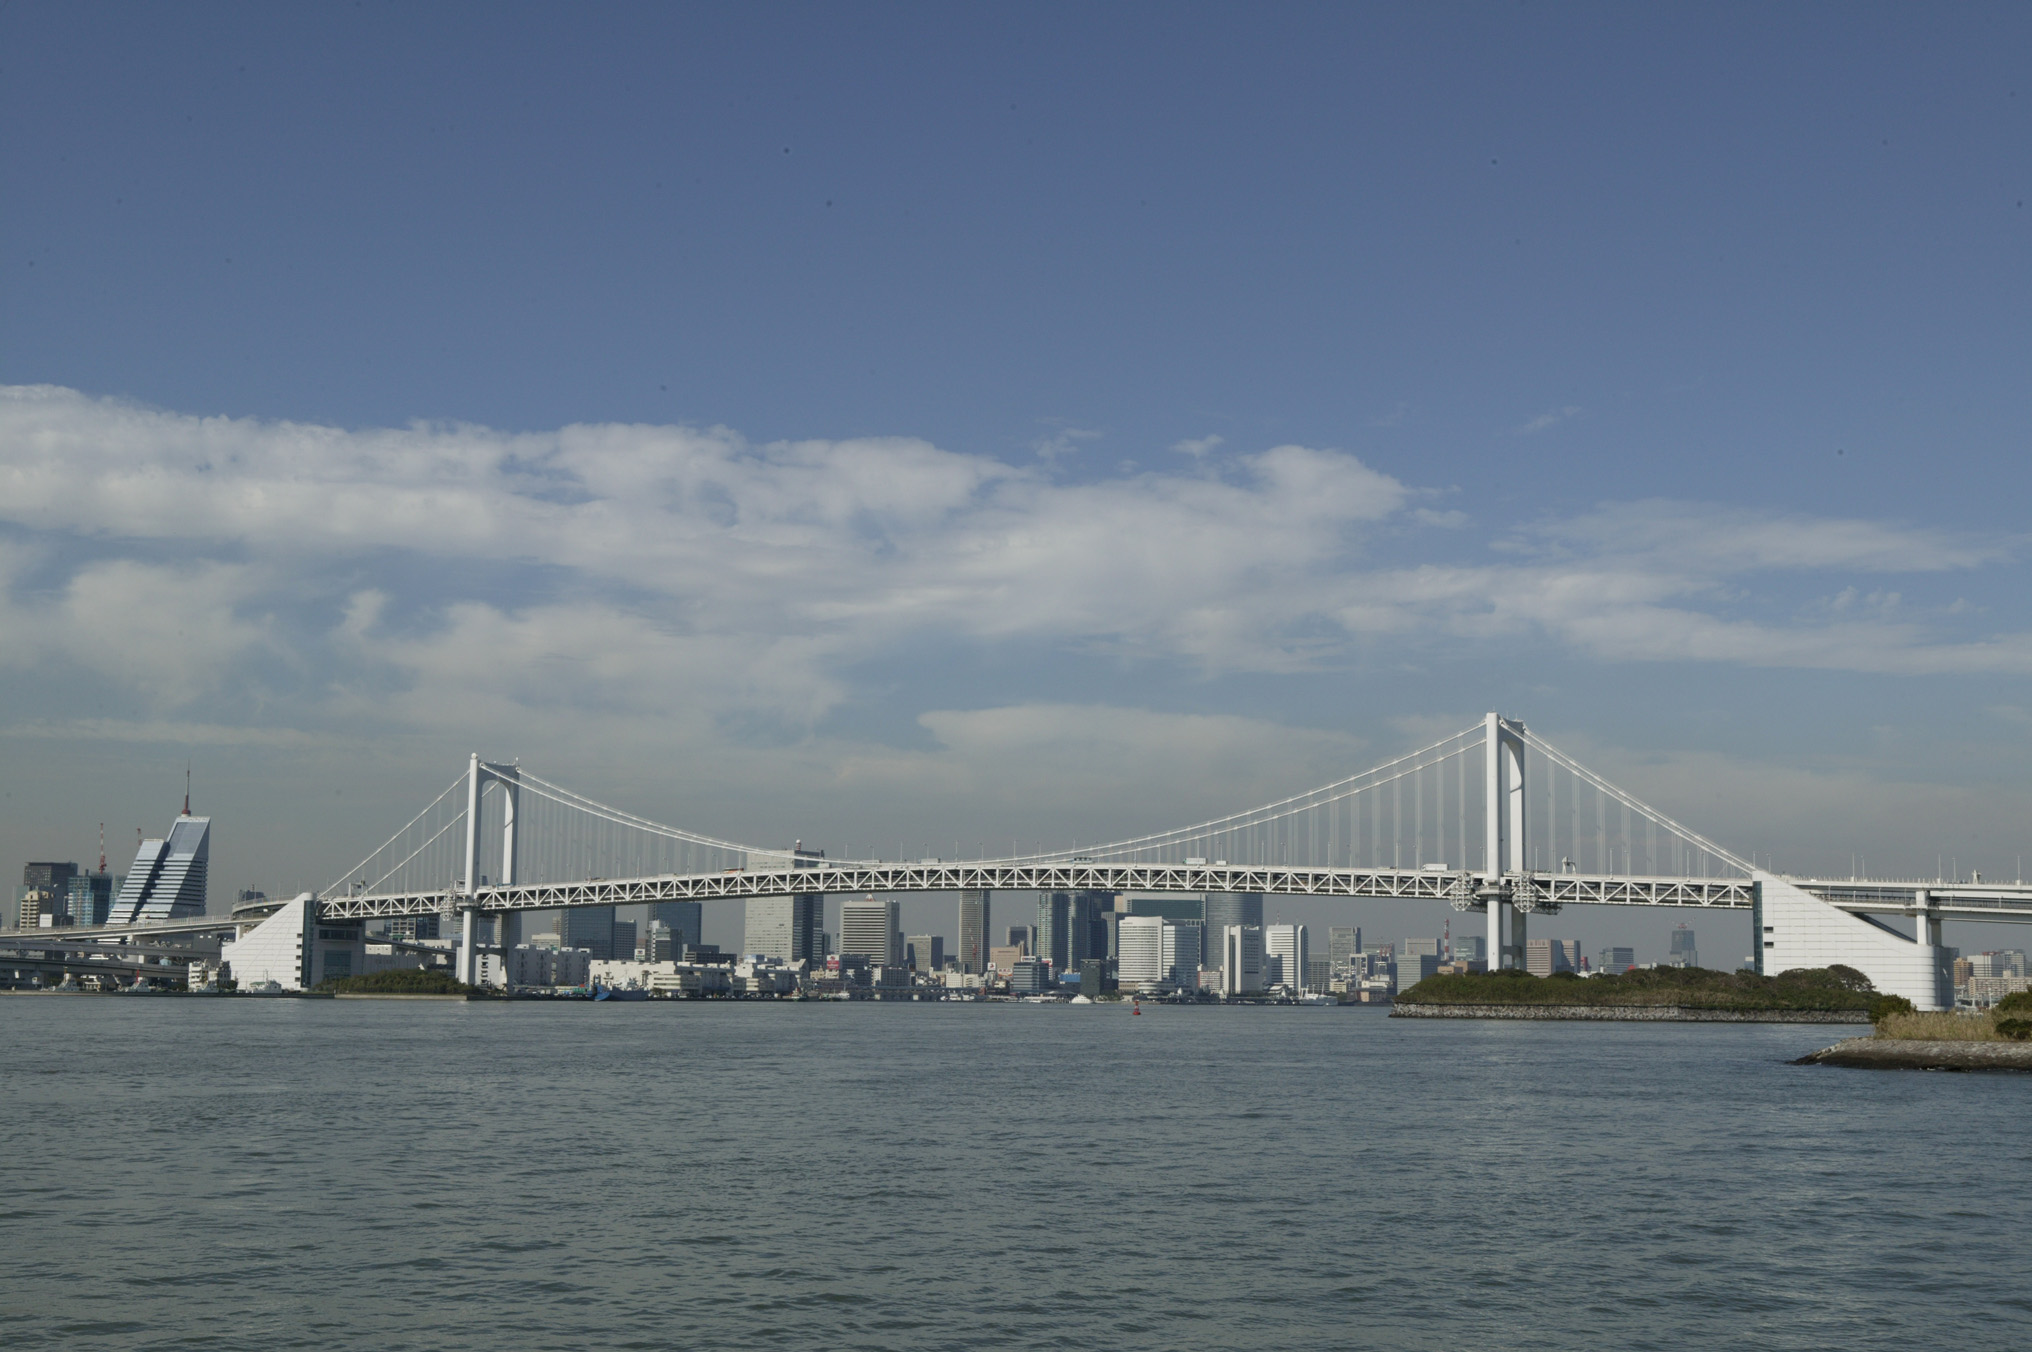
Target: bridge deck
1547, 892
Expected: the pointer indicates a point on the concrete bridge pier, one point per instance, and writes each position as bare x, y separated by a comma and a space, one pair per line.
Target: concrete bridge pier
468, 964
1506, 935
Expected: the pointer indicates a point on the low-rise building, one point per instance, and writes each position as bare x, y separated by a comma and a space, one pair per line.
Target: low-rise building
1029, 976
526, 965
765, 976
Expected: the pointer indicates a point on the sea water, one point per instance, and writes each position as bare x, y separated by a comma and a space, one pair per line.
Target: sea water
243, 1173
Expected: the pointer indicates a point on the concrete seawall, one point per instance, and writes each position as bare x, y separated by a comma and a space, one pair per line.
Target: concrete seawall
1886, 1053
1629, 1013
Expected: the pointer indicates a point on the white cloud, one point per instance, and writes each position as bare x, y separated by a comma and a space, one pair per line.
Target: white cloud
1549, 418
454, 576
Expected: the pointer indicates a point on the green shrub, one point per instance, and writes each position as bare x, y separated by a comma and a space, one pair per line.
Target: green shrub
2018, 1002
1834, 977
2018, 1030
1884, 1005
1694, 987
399, 981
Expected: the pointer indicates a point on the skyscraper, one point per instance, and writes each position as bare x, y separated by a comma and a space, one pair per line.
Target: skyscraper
167, 881
1242, 958
1140, 966
91, 898
1543, 957
1087, 928
1684, 954
871, 929
590, 928
1183, 948
784, 928
1223, 909
46, 876
684, 919
1286, 951
974, 921
1343, 942
925, 952
1169, 905
1054, 911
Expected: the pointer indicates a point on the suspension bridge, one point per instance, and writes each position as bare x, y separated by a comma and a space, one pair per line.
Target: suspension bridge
1491, 819
1458, 821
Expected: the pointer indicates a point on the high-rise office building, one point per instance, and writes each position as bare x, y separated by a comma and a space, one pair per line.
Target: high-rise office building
1168, 905
168, 879
624, 941
413, 927
1543, 957
590, 928
91, 898
784, 928
1343, 942
1183, 948
32, 905
1413, 968
48, 876
684, 919
1054, 916
1087, 928
925, 952
1023, 937
871, 929
1618, 959
974, 922
1286, 951
1683, 953
1475, 948
1140, 964
1242, 959
1223, 909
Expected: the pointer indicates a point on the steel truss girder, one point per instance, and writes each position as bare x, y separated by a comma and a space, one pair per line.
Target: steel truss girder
1547, 892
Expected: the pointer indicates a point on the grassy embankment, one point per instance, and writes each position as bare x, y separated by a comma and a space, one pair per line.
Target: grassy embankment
2009, 1021
402, 981
1833, 988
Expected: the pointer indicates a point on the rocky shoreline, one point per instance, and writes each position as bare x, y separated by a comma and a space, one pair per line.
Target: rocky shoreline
1884, 1053
1629, 1013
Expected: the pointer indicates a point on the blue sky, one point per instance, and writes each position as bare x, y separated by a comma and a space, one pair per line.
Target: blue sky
801, 420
